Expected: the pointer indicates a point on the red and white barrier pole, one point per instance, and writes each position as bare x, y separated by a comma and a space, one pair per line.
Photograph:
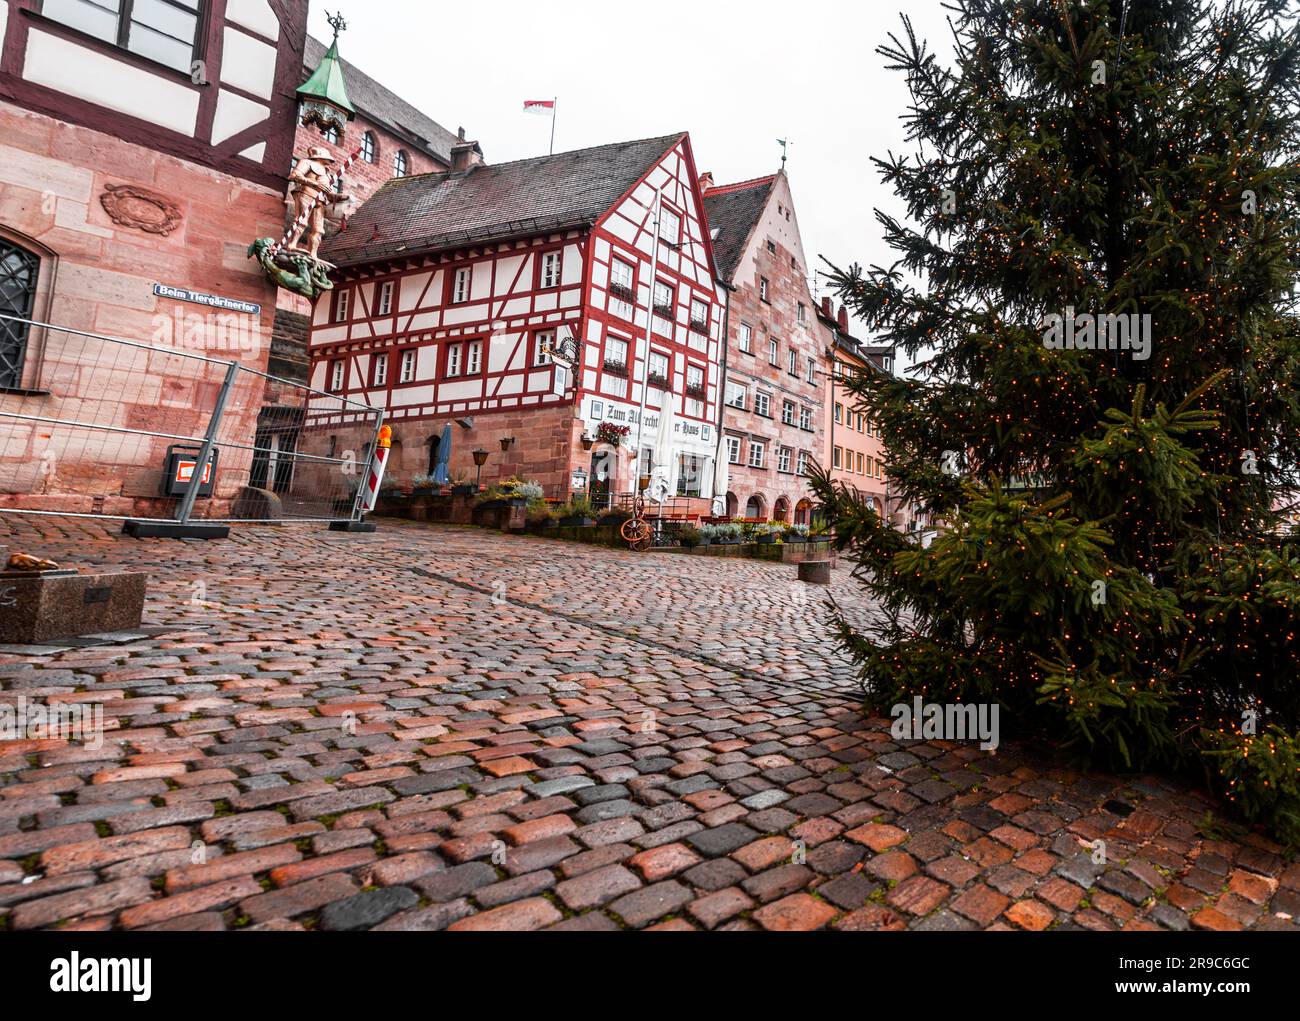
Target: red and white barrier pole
377, 465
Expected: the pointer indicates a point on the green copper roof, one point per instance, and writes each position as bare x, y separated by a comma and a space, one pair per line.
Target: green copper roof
326, 82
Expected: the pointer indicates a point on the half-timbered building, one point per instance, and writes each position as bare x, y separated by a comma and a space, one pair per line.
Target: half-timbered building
529, 304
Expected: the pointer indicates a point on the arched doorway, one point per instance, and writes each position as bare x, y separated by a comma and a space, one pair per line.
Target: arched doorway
756, 507
781, 512
435, 441
733, 505
803, 512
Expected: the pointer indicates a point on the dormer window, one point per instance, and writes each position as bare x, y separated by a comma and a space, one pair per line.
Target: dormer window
332, 134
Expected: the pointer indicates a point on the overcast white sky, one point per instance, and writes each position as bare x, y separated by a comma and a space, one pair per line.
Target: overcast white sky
736, 75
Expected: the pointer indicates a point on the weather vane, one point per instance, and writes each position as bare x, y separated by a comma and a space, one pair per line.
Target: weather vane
785, 144
336, 22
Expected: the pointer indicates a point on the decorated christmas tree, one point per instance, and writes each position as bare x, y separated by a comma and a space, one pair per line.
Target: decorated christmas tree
1096, 283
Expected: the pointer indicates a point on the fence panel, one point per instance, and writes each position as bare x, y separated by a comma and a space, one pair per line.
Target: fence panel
113, 428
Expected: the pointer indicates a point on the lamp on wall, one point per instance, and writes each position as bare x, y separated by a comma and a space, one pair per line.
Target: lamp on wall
506, 443
480, 459
588, 441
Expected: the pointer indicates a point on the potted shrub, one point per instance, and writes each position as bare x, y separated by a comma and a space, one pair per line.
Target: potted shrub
728, 534
689, 536
460, 484
796, 533
540, 517
578, 512
766, 532
708, 534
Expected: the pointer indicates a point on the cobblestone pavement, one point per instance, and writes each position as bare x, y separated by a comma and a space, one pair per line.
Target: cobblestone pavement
432, 728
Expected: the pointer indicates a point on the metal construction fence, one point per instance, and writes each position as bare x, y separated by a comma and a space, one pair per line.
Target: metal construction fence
111, 428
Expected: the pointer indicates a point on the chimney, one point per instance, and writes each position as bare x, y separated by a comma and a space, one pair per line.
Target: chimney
827, 309
464, 156
843, 319
460, 133
706, 181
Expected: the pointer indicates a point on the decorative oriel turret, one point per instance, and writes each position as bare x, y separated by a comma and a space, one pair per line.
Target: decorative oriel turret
323, 98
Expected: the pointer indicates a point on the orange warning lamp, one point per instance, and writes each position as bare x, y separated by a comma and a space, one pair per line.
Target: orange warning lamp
385, 436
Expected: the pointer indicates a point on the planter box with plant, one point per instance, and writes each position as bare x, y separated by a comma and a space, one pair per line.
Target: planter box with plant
577, 513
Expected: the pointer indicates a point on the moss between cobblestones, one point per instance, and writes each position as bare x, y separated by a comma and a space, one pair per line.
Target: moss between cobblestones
102, 828
30, 863
222, 808
240, 922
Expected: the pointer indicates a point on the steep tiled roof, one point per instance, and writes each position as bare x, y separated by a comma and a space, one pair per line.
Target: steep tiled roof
733, 210
379, 104
430, 212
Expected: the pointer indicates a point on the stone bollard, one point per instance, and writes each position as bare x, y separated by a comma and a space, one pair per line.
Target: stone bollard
815, 572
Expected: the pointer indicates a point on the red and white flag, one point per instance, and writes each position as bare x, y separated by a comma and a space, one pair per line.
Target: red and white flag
545, 107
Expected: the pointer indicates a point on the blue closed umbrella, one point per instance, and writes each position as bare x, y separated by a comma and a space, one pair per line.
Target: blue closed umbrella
444, 456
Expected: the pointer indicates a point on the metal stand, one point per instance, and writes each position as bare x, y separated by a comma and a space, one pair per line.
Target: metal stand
182, 527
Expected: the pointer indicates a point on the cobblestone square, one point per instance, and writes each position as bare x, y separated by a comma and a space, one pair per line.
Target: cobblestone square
448, 728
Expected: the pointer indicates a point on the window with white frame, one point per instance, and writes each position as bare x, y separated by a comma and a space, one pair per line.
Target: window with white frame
762, 288
803, 313
453, 359
836, 457
543, 342
736, 394
368, 147
839, 413
746, 338
871, 467
622, 279
773, 351
761, 405
861, 470
756, 452
787, 412
165, 31
460, 284
385, 303
694, 379
699, 315
659, 369
663, 299
406, 373
550, 270
379, 373
690, 474
805, 418
341, 307
812, 370
801, 465
400, 163
473, 357
615, 354
783, 460
792, 363
733, 450
670, 226
337, 367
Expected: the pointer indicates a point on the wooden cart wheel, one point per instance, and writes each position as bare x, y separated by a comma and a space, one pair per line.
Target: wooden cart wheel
637, 533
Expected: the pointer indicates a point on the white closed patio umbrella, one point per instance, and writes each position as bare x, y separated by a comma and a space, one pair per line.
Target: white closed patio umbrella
665, 470
721, 478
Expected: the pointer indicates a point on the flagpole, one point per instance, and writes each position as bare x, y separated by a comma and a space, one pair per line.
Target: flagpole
644, 469
555, 106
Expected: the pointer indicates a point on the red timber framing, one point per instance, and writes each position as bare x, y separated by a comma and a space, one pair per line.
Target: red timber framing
479, 357
258, 151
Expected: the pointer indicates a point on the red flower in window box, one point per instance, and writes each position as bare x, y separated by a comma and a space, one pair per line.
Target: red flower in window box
608, 432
